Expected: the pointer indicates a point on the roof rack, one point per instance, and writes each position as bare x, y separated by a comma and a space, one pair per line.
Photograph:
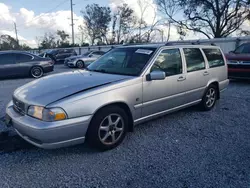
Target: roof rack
186, 43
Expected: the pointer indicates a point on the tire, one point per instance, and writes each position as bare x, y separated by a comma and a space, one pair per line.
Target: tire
209, 99
80, 64
102, 133
36, 72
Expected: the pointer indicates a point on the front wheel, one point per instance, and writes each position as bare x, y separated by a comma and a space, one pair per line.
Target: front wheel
108, 128
209, 98
36, 72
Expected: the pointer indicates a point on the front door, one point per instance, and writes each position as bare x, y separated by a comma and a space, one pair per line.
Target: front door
161, 95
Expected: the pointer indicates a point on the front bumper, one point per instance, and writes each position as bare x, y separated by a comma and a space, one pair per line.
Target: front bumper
49, 135
70, 63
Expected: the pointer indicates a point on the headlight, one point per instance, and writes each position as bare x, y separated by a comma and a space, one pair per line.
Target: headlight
47, 114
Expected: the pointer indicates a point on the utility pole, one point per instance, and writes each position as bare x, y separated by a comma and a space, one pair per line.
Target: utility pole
72, 22
16, 34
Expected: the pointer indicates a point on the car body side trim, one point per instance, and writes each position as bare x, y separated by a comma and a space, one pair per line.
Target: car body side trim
137, 121
166, 98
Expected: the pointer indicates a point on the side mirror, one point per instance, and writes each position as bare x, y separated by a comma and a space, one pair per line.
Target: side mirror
231, 52
156, 75
90, 55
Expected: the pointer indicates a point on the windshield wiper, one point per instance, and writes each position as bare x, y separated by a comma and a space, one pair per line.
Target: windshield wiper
101, 70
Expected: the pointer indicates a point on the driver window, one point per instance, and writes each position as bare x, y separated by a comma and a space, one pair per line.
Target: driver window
169, 61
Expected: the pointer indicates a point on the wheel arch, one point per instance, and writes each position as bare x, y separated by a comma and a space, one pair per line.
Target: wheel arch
216, 84
125, 107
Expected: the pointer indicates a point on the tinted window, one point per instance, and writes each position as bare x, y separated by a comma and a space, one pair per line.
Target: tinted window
99, 53
243, 49
7, 59
169, 61
194, 59
23, 57
214, 57
95, 53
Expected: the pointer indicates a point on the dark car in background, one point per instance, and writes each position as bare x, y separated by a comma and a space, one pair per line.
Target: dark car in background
59, 55
239, 62
17, 64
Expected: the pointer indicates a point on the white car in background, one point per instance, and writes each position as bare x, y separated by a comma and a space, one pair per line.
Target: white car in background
82, 61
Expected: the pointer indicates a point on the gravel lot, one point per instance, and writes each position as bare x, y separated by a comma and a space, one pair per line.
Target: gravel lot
184, 149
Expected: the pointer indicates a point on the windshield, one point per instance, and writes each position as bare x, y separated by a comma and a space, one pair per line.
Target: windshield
125, 61
243, 49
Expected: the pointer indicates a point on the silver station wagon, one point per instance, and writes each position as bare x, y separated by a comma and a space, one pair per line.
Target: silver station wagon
127, 86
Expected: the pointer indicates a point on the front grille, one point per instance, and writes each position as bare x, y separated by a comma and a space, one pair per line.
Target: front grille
19, 106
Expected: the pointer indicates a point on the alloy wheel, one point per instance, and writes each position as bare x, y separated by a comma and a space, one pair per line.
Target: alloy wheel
111, 129
36, 72
210, 97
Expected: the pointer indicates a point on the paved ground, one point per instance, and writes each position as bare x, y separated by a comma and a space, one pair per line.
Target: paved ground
185, 149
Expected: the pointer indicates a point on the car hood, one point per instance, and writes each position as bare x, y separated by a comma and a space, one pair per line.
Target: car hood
49, 89
238, 57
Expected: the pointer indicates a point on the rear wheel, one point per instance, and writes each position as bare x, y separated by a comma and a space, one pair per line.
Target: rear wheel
80, 64
36, 72
209, 98
108, 128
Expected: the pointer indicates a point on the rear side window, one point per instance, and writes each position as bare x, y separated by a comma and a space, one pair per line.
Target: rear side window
194, 59
23, 57
7, 59
214, 57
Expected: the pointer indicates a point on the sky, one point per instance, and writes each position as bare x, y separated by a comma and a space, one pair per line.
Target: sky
36, 17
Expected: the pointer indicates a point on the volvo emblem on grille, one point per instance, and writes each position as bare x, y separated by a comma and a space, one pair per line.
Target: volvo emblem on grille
17, 103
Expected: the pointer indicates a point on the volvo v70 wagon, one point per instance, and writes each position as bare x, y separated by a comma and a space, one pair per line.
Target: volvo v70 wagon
127, 86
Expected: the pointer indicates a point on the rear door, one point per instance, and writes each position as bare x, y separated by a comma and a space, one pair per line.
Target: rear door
197, 75
24, 62
8, 65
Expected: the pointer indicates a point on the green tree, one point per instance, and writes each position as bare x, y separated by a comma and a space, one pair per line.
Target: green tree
97, 19
123, 21
8, 43
48, 41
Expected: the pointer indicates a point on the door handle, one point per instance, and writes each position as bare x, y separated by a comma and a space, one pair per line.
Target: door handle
206, 73
181, 78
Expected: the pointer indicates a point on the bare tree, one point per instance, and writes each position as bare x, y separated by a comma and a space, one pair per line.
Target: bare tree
212, 18
170, 8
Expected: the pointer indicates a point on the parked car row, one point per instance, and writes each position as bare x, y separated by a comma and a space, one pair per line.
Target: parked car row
17, 63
